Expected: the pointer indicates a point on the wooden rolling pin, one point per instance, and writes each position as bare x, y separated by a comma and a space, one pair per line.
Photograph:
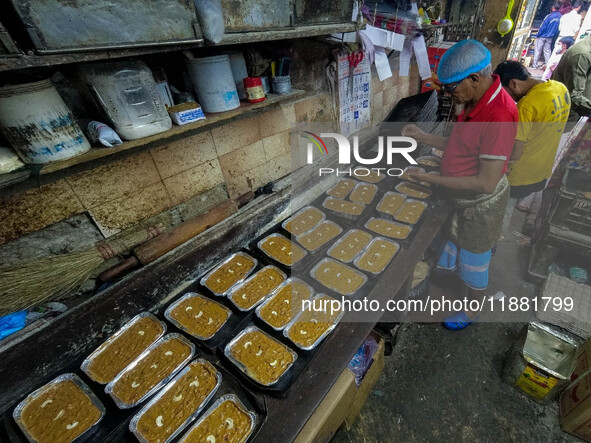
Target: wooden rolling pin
167, 241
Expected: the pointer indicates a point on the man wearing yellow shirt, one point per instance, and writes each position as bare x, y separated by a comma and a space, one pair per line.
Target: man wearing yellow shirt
543, 108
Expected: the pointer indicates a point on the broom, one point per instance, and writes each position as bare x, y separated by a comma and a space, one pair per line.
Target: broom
52, 278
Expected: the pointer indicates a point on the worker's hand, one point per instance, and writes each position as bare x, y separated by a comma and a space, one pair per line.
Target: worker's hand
413, 131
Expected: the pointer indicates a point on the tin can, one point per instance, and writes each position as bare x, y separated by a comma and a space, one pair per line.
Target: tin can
254, 89
540, 362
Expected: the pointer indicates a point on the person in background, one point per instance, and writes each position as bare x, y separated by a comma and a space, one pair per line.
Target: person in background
564, 43
565, 7
548, 30
543, 108
570, 23
574, 71
473, 166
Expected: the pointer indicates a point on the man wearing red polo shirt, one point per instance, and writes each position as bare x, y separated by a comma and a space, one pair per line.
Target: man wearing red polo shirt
474, 162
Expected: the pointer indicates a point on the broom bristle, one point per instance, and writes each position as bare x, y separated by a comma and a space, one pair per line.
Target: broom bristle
28, 284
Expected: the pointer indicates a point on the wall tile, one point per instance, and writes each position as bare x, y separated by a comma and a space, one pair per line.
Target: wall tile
279, 167
114, 180
195, 181
236, 135
124, 212
376, 84
184, 154
277, 144
377, 108
314, 109
247, 181
36, 208
277, 120
389, 99
244, 159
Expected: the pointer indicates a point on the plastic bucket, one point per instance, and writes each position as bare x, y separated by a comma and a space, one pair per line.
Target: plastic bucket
214, 83
239, 72
38, 124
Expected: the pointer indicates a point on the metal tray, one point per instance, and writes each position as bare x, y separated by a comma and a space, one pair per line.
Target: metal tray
275, 293
368, 185
343, 214
136, 418
243, 368
221, 294
410, 227
260, 242
218, 402
363, 177
133, 364
168, 316
386, 195
17, 413
416, 184
355, 182
305, 208
299, 238
375, 240
342, 239
324, 334
412, 200
239, 286
112, 338
324, 260
429, 167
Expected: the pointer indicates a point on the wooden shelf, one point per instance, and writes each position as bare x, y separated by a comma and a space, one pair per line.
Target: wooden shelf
24, 61
88, 159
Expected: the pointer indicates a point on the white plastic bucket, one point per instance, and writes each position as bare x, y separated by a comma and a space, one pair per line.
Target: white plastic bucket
214, 83
239, 72
38, 124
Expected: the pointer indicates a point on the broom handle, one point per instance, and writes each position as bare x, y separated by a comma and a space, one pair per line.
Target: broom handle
110, 249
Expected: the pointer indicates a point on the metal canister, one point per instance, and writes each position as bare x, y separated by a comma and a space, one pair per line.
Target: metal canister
540, 362
254, 89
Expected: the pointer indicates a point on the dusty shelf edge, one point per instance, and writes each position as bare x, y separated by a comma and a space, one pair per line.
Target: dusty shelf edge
97, 154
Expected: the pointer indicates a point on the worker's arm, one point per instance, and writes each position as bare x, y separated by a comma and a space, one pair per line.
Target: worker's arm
421, 136
581, 71
517, 150
489, 174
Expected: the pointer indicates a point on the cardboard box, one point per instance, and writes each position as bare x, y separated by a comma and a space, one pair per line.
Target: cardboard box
331, 412
369, 381
575, 408
583, 360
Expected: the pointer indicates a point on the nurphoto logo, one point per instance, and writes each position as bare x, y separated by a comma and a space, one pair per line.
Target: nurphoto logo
394, 145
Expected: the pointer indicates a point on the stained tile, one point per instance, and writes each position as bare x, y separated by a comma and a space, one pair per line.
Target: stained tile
389, 99
377, 107
247, 181
236, 135
277, 144
277, 120
279, 167
184, 154
36, 208
114, 180
313, 109
242, 160
195, 181
376, 84
124, 212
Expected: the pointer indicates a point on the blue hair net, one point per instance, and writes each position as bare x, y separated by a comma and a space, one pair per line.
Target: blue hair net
461, 60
